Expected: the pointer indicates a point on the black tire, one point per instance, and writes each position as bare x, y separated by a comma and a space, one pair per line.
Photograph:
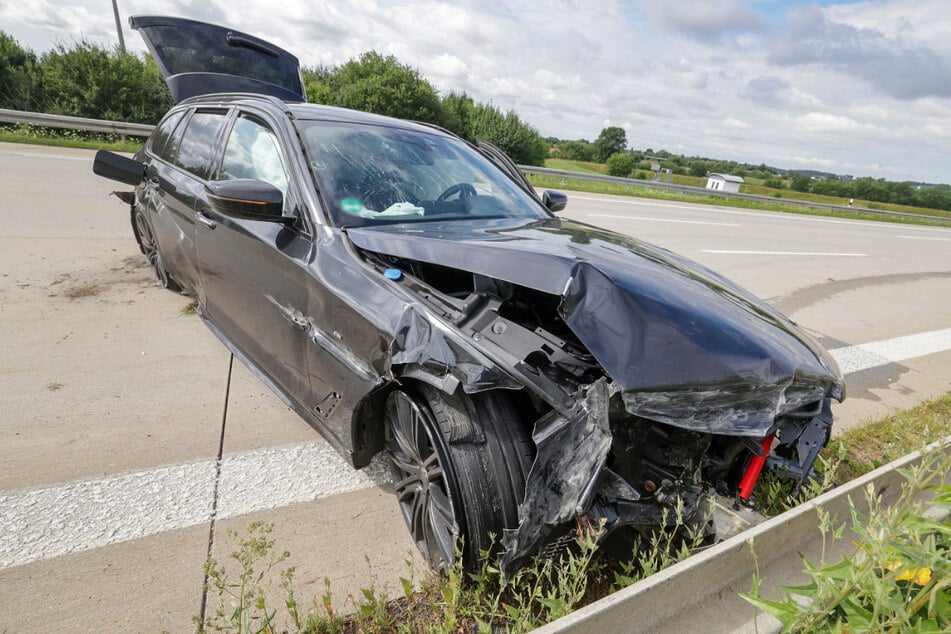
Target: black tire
143, 235
459, 467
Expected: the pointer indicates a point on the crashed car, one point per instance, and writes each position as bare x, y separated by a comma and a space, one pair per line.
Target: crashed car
407, 292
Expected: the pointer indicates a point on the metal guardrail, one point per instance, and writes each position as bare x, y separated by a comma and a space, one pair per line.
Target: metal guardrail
142, 129
75, 123
702, 191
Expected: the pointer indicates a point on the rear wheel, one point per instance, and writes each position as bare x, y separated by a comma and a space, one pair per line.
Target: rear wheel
143, 235
459, 466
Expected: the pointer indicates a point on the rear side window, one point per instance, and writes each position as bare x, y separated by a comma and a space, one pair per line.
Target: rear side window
197, 150
162, 133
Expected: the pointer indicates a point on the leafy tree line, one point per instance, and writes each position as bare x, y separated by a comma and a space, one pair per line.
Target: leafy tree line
82, 80
374, 83
878, 190
85, 79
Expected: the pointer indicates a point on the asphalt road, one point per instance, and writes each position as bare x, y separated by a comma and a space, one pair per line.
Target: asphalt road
113, 398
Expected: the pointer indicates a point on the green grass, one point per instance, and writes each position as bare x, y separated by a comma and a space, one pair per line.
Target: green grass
571, 184
752, 186
868, 447
252, 593
833, 200
892, 574
576, 166
68, 138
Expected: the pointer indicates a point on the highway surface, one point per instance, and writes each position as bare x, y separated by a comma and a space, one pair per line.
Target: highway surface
114, 400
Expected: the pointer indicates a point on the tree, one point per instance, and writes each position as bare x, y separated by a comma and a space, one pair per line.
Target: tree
576, 151
374, 83
698, 168
801, 183
620, 164
457, 114
17, 75
516, 138
88, 80
315, 84
611, 141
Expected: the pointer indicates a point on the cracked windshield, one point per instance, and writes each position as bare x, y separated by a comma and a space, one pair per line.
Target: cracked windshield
372, 174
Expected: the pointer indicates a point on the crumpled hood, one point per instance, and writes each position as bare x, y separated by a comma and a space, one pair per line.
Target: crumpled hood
686, 346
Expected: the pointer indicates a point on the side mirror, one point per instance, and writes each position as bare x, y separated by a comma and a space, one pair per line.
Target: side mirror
247, 198
118, 168
555, 201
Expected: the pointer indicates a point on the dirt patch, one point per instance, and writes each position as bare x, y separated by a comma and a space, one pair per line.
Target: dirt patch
84, 291
135, 262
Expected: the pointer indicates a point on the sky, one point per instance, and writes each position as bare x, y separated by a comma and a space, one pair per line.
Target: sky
860, 88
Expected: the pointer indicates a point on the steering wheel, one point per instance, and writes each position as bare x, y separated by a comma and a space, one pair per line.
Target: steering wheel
465, 190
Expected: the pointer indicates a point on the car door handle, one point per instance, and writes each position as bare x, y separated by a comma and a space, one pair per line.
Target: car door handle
205, 220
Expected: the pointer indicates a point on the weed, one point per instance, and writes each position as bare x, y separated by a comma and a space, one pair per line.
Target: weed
190, 308
244, 603
53, 387
896, 578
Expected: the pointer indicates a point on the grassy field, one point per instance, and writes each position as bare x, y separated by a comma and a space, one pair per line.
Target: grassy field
571, 184
576, 166
68, 138
752, 186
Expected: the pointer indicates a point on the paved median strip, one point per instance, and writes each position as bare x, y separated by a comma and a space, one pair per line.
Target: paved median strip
58, 520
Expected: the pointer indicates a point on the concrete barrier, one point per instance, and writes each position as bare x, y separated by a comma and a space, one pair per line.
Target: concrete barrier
701, 592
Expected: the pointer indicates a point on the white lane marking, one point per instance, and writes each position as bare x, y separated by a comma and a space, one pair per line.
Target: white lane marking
836, 255
51, 156
57, 520
784, 215
878, 353
925, 238
686, 222
86, 514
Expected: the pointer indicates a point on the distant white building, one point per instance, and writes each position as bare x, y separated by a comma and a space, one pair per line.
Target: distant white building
724, 182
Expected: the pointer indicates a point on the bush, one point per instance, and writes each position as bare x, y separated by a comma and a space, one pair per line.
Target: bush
520, 141
576, 151
88, 80
374, 83
620, 164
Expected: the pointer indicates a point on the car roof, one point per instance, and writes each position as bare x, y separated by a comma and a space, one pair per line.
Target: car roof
310, 111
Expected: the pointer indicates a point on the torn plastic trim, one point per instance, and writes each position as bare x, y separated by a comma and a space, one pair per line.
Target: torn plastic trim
425, 348
126, 197
440, 335
739, 409
808, 436
571, 451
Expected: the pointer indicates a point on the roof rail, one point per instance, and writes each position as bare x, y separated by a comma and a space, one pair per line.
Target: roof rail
236, 96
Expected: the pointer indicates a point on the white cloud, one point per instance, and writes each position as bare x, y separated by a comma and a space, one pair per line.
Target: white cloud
708, 78
823, 122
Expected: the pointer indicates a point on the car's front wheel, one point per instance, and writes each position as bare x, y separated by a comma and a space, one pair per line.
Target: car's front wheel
459, 466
